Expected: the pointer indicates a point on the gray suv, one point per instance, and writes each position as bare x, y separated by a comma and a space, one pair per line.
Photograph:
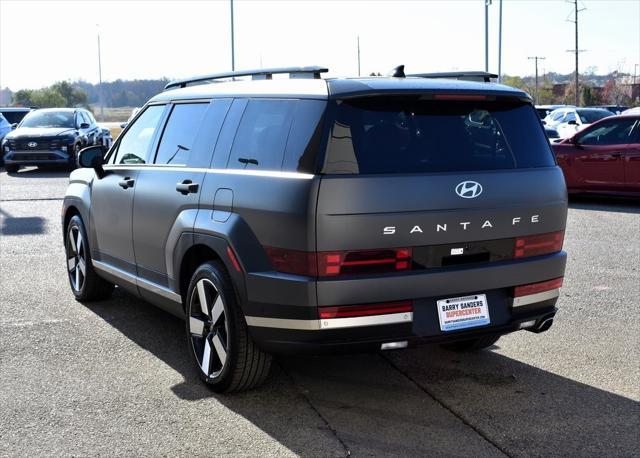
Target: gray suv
301, 214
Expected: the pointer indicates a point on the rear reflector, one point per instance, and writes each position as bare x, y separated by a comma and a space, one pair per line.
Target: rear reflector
534, 288
233, 258
350, 311
536, 245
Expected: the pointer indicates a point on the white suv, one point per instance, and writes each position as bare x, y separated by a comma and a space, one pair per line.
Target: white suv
569, 120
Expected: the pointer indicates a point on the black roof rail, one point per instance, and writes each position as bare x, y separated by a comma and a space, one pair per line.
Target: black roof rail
263, 73
468, 76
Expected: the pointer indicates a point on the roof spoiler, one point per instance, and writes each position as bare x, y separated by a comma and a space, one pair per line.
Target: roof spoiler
468, 76
261, 74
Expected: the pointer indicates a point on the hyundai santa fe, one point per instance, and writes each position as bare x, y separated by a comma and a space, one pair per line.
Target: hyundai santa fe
309, 214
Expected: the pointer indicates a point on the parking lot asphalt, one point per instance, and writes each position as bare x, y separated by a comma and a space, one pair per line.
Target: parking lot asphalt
113, 378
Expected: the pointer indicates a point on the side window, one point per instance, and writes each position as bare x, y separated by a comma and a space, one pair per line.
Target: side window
90, 119
180, 133
557, 116
616, 132
571, 116
262, 135
135, 145
304, 137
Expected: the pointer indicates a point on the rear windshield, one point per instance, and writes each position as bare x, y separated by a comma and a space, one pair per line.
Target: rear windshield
591, 116
408, 135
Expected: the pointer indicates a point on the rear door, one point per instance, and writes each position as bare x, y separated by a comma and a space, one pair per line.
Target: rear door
168, 191
598, 158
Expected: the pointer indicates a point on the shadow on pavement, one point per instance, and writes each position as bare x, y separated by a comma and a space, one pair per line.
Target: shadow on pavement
413, 402
609, 204
22, 225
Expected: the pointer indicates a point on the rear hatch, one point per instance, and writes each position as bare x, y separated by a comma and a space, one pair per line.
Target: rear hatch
455, 178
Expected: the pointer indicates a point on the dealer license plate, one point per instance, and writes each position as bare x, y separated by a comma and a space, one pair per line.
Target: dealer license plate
463, 312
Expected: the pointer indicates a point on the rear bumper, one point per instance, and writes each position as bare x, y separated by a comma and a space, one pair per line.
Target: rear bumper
283, 317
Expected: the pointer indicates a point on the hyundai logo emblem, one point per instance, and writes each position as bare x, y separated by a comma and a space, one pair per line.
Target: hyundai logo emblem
469, 189
32, 144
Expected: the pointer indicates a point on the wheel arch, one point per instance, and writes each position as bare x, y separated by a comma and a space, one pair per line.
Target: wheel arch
205, 248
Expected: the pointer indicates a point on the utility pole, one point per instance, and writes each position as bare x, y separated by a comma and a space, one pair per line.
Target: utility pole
233, 50
500, 43
358, 55
577, 50
486, 34
100, 77
536, 59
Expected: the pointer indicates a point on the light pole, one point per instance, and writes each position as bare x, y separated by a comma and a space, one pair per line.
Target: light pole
100, 77
358, 55
486, 34
500, 43
233, 50
536, 59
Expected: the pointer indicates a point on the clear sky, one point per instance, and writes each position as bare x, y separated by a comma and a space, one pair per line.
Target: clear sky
46, 41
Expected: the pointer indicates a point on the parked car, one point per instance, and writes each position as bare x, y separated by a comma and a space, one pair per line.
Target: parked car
15, 114
311, 215
133, 114
603, 158
551, 132
5, 128
106, 140
50, 136
632, 111
615, 109
544, 110
567, 121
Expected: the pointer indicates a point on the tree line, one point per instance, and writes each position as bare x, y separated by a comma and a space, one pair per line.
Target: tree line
119, 93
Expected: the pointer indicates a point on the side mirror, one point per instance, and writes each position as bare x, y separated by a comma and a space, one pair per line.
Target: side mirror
123, 125
573, 123
14, 125
92, 157
84, 125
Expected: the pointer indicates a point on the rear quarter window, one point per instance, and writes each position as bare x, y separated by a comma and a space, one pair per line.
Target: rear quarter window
376, 135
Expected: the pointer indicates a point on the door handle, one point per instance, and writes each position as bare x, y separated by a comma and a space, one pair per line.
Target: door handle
187, 186
616, 154
126, 183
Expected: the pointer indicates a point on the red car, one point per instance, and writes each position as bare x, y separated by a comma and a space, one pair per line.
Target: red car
604, 158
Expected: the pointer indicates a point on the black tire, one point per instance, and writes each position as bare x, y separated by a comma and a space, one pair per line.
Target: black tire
223, 353
11, 168
472, 344
86, 286
73, 157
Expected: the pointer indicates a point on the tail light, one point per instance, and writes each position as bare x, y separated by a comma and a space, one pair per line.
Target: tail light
331, 264
536, 245
350, 311
363, 262
534, 288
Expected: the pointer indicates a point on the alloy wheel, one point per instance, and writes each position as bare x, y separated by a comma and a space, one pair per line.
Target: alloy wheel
76, 258
208, 328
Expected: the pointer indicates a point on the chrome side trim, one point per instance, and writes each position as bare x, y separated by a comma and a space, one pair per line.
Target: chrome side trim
538, 297
140, 282
282, 323
373, 320
173, 168
330, 323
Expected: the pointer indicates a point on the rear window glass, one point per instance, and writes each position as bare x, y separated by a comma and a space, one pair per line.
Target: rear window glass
262, 135
409, 135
